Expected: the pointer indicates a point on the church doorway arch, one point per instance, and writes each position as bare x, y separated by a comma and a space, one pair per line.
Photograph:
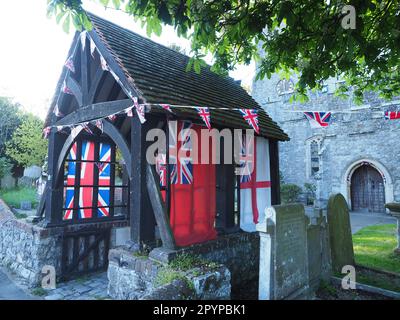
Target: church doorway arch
368, 186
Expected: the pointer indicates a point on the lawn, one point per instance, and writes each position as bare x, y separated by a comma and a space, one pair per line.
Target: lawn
374, 245
13, 197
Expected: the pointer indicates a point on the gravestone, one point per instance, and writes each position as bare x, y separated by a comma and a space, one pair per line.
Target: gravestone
319, 255
283, 253
341, 241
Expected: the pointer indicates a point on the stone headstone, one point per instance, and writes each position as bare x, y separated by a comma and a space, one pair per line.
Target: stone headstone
283, 253
25, 205
341, 241
319, 257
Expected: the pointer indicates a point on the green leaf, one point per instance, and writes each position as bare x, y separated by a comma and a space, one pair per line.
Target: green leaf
66, 24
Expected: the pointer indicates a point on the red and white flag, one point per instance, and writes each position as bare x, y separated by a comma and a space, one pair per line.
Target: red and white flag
85, 127
251, 117
129, 112
205, 115
69, 64
166, 107
392, 115
140, 110
112, 117
46, 132
65, 89
57, 111
255, 182
99, 125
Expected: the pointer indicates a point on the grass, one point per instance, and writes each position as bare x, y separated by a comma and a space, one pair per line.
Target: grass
39, 292
374, 245
13, 197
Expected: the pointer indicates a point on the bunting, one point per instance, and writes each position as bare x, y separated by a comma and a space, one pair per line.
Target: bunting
46, 132
69, 64
65, 89
205, 115
99, 125
129, 112
57, 111
112, 117
103, 64
251, 117
83, 40
166, 107
392, 115
140, 110
318, 119
85, 127
92, 47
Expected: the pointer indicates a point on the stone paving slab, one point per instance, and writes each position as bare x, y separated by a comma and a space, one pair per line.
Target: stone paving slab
93, 287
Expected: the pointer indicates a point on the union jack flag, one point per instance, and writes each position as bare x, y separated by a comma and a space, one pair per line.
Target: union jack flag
392, 115
104, 166
69, 64
205, 115
166, 107
70, 189
318, 119
86, 180
161, 168
251, 117
246, 163
46, 132
65, 89
180, 166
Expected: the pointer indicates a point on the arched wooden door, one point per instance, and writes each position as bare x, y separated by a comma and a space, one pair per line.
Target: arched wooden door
367, 190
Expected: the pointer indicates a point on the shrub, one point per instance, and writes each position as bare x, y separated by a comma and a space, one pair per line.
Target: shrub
290, 193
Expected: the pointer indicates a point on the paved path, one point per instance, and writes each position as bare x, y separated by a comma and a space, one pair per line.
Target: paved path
92, 287
360, 220
10, 291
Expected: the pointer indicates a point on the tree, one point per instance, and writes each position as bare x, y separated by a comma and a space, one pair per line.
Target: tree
5, 167
10, 119
27, 146
315, 39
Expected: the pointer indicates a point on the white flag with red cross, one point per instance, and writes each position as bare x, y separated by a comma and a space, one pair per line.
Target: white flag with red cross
255, 182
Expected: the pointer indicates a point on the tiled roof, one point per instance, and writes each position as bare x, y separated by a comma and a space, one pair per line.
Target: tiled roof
160, 75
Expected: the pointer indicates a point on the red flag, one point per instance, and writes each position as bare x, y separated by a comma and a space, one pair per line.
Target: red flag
392, 115
193, 189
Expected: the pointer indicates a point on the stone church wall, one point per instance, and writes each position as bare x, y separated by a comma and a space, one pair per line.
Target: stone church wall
361, 133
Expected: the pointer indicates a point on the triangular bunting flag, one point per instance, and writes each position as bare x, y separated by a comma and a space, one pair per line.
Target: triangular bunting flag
57, 111
85, 127
92, 47
392, 115
129, 112
139, 110
251, 117
103, 63
59, 128
46, 132
65, 89
69, 64
112, 117
166, 107
99, 125
205, 115
318, 119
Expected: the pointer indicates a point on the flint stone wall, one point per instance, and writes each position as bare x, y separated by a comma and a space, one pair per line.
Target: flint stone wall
132, 278
25, 248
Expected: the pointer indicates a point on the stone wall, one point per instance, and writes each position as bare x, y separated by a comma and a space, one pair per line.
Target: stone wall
25, 249
133, 277
361, 133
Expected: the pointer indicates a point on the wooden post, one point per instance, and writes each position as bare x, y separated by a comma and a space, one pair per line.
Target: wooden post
274, 167
54, 198
141, 215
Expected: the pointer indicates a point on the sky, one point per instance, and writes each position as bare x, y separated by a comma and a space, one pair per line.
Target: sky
33, 50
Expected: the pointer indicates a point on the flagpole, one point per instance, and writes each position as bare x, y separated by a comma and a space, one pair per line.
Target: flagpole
167, 171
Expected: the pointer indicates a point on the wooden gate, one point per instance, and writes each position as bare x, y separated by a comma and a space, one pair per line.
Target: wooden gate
84, 252
367, 190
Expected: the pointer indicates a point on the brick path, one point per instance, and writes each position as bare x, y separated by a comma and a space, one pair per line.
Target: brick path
93, 287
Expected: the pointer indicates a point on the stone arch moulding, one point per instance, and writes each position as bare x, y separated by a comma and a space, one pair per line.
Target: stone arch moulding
110, 130
352, 167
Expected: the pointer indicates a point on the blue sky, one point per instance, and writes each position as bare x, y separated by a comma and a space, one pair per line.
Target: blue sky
34, 48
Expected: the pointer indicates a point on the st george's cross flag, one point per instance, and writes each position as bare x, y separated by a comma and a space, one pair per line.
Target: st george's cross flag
205, 115
255, 182
251, 117
392, 115
318, 119
193, 187
166, 107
